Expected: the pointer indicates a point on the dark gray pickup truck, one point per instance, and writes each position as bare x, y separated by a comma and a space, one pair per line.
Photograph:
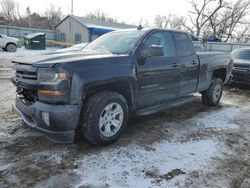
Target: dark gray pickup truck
241, 70
93, 92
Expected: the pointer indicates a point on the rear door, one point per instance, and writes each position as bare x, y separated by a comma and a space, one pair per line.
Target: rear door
158, 77
189, 64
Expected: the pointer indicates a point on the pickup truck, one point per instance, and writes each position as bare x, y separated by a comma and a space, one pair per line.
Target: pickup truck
93, 91
9, 44
241, 70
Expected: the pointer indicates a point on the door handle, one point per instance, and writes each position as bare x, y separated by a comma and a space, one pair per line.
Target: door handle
194, 63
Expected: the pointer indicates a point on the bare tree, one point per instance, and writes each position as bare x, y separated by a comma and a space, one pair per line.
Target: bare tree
161, 21
224, 23
243, 34
202, 11
171, 22
9, 15
9, 10
53, 16
101, 16
143, 22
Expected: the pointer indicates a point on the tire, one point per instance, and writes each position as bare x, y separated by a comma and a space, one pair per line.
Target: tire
101, 123
204, 98
213, 94
11, 47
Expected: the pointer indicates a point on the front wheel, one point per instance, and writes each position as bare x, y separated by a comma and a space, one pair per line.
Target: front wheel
104, 118
11, 47
213, 94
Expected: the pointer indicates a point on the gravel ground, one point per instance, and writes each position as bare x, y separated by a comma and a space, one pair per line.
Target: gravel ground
188, 146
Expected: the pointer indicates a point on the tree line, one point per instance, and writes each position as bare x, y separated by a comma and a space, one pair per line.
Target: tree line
10, 15
226, 19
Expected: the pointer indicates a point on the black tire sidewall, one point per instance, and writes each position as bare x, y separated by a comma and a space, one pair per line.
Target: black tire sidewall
96, 111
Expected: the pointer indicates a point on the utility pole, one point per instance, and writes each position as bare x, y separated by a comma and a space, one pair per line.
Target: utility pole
72, 7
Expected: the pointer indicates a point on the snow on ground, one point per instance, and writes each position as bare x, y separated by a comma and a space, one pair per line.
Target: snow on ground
137, 166
218, 119
133, 166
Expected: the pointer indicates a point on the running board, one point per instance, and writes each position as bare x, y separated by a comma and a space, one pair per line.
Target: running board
164, 106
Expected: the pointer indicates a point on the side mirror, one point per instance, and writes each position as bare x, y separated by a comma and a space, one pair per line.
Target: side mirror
152, 51
1, 36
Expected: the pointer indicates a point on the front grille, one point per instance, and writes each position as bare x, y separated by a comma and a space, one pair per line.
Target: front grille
242, 65
241, 68
25, 80
239, 73
26, 75
25, 72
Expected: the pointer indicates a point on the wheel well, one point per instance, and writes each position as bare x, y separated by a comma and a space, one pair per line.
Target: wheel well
123, 88
220, 73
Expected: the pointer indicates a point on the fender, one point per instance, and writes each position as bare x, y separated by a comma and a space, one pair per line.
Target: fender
126, 86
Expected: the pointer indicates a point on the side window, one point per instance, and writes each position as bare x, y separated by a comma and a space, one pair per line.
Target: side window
183, 45
163, 39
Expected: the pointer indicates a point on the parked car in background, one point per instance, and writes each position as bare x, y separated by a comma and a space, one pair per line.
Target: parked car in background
211, 38
194, 37
241, 70
76, 47
9, 44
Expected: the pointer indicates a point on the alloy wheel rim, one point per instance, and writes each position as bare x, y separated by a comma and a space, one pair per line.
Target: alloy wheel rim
111, 119
217, 91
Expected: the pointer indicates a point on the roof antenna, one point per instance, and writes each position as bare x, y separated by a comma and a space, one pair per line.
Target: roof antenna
139, 27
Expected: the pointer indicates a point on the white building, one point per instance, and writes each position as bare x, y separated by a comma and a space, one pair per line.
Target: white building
79, 29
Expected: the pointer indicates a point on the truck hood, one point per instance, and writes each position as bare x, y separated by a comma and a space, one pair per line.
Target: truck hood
53, 58
12, 39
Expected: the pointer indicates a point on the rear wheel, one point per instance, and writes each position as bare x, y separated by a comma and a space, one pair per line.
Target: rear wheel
104, 118
213, 94
11, 48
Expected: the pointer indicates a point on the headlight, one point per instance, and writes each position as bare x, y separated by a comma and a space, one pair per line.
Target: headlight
53, 85
48, 75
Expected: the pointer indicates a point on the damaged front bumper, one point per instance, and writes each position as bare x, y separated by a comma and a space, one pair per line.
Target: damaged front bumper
57, 122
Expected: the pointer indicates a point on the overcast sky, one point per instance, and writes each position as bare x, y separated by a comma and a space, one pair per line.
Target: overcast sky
130, 11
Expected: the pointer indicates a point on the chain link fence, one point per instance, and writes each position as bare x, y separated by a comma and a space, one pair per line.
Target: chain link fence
218, 46
20, 32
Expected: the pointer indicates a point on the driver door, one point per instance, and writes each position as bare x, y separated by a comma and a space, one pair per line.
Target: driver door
158, 77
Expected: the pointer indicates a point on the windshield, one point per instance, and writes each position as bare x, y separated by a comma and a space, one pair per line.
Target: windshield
241, 54
115, 42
